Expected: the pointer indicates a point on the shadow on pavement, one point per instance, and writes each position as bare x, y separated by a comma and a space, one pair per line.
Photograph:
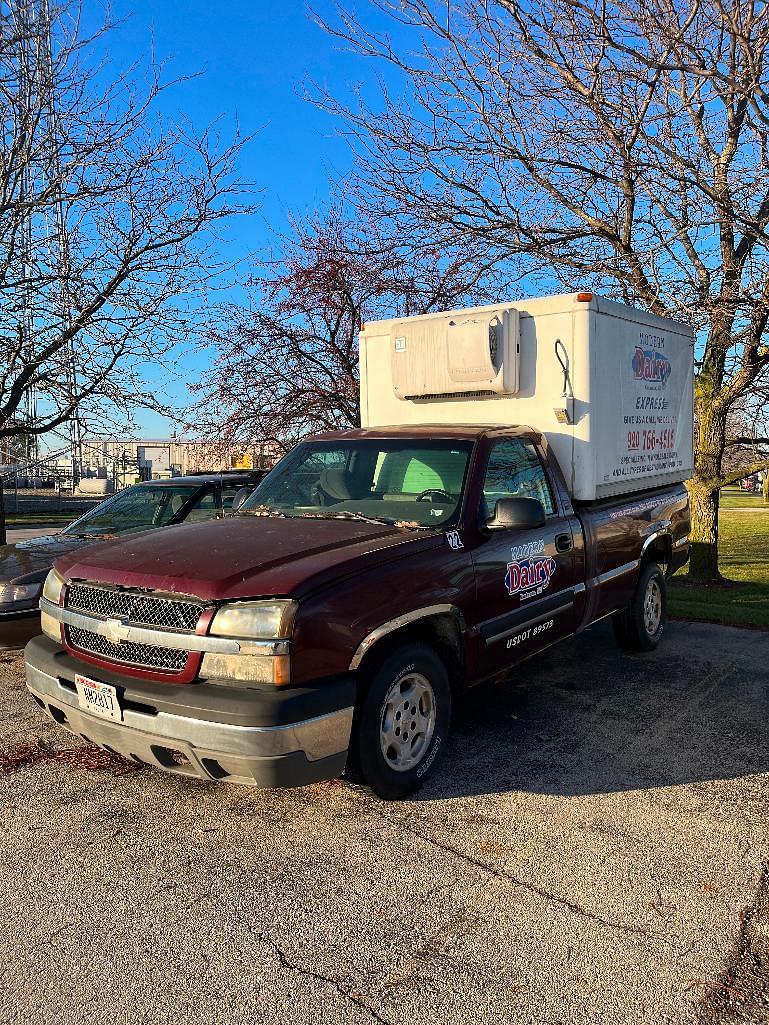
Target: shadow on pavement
585, 718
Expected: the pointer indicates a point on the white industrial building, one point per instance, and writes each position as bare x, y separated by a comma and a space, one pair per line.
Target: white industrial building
163, 457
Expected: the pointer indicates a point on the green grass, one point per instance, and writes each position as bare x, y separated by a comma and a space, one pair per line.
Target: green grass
735, 498
32, 519
744, 562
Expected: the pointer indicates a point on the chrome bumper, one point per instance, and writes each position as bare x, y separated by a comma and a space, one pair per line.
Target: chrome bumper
292, 755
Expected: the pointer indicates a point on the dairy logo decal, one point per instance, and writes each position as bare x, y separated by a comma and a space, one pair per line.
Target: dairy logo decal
531, 576
650, 365
529, 571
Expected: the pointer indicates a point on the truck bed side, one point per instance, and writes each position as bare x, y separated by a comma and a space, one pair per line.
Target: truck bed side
620, 535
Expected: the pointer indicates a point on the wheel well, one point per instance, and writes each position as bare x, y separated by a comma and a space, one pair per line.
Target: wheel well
660, 551
442, 633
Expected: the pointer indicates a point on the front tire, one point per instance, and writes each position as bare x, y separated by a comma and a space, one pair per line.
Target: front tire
402, 723
641, 626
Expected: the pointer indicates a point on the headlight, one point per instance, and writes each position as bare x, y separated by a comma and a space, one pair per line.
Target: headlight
53, 586
18, 592
245, 669
257, 620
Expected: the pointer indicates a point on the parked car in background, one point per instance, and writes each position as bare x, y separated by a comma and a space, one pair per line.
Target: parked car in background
152, 504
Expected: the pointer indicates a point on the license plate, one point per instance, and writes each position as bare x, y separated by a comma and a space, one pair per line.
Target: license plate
98, 698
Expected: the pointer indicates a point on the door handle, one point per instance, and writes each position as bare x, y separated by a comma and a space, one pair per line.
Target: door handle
563, 543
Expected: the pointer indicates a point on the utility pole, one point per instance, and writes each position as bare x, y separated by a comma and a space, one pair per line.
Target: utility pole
32, 21
61, 260
19, 14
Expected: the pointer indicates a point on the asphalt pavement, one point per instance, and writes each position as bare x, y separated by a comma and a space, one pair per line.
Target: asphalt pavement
592, 850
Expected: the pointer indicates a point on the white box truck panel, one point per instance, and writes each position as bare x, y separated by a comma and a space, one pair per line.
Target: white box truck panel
611, 387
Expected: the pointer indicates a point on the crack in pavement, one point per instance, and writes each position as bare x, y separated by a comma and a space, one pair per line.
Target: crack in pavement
503, 876
664, 726
348, 994
741, 992
498, 873
431, 949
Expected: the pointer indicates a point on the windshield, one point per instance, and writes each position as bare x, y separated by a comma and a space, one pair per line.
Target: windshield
406, 482
136, 508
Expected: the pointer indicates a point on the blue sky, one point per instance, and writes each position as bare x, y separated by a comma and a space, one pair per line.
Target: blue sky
254, 62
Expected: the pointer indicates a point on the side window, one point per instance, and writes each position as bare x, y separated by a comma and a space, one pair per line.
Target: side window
206, 508
228, 495
515, 469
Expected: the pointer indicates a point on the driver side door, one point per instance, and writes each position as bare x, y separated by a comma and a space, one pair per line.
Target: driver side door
525, 579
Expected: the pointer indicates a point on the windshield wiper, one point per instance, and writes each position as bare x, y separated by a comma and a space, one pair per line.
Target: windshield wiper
345, 514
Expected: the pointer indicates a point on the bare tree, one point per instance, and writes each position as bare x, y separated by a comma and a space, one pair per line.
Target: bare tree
106, 214
747, 438
620, 146
287, 365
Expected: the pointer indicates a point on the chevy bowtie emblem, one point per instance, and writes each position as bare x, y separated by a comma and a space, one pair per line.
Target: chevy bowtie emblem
117, 631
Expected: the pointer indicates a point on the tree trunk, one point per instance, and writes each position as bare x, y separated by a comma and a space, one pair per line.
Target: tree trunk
765, 487
709, 441
703, 561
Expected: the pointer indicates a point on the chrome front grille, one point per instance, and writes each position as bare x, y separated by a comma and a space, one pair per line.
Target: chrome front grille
139, 608
143, 656
134, 606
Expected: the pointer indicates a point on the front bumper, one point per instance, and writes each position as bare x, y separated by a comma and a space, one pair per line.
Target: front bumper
264, 738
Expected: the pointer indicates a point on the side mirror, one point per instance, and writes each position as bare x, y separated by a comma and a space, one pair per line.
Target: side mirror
240, 496
517, 513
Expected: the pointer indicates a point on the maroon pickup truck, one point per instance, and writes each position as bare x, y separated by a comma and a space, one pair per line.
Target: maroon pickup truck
371, 578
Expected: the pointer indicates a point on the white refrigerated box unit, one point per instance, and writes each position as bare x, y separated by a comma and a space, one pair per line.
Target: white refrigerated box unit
610, 386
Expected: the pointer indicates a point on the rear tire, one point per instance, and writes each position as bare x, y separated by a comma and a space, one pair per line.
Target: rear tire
641, 626
401, 723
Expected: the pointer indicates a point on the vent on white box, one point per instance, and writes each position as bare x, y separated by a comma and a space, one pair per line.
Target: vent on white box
456, 355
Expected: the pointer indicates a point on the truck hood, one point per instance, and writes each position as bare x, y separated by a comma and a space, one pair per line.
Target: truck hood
244, 556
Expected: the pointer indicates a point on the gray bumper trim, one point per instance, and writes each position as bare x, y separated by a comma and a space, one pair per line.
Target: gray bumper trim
242, 751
